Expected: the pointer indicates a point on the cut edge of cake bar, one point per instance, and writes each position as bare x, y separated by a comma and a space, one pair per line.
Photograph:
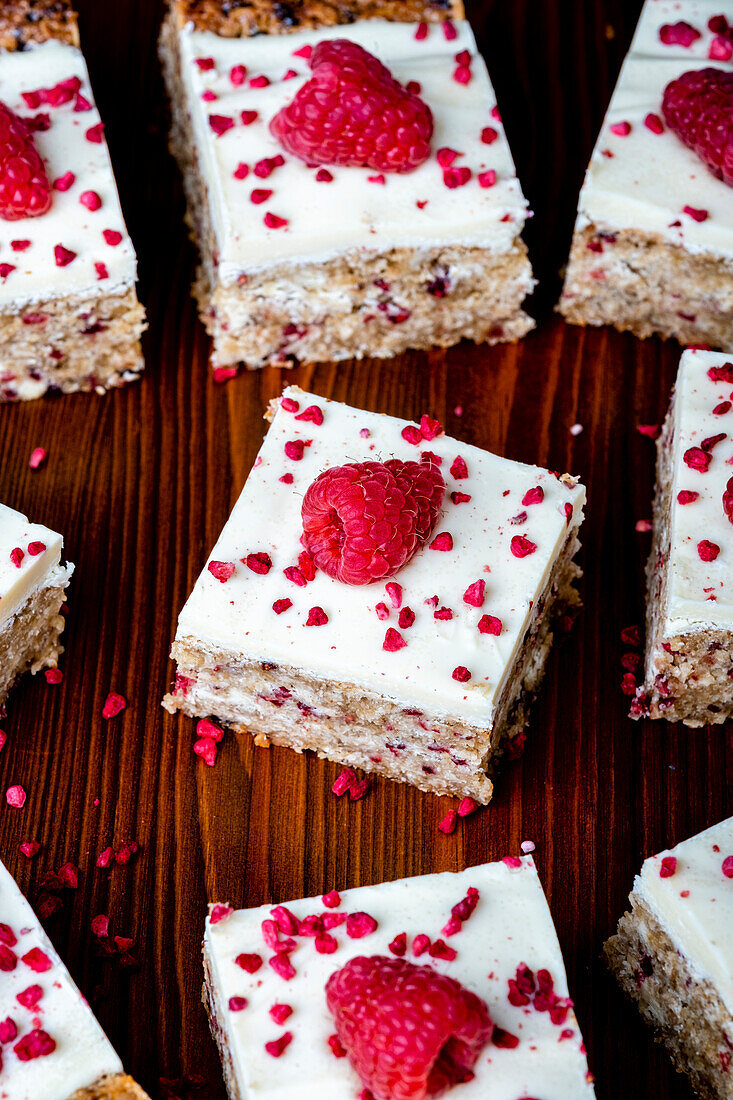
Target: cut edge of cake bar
251, 324
119, 1086
76, 340
671, 991
308, 711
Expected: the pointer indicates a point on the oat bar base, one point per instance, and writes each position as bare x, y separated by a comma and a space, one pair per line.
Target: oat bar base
23, 22
240, 18
29, 641
357, 305
687, 677
117, 1087
359, 728
216, 1012
685, 1011
640, 283
69, 345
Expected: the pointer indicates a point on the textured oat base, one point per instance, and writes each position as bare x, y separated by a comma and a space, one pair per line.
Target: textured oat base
353, 726
687, 677
70, 344
246, 17
29, 641
642, 284
215, 1012
360, 304
685, 1011
26, 21
117, 1087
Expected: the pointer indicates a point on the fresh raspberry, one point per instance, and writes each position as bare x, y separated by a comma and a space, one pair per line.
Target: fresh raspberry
364, 521
698, 107
354, 113
24, 188
409, 1032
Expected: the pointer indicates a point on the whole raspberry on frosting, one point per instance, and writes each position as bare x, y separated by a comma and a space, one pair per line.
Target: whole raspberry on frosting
354, 113
362, 522
698, 108
409, 1032
24, 188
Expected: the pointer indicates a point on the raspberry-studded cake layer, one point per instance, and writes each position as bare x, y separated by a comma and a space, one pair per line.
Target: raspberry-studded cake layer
69, 316
51, 1046
653, 245
418, 675
488, 928
23, 22
32, 587
303, 262
689, 647
250, 17
673, 955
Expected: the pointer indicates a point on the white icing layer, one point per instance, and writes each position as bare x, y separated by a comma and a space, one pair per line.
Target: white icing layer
325, 219
695, 904
510, 925
700, 593
83, 1053
238, 615
35, 571
649, 178
64, 148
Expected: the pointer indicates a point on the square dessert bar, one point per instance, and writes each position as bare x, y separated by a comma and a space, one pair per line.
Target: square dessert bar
689, 621
653, 245
52, 1046
32, 589
425, 675
488, 929
673, 956
304, 262
69, 315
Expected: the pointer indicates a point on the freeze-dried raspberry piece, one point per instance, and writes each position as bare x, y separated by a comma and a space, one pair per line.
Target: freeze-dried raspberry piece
521, 546
36, 1044
679, 34
707, 551
359, 925
363, 521
114, 704
698, 107
668, 866
354, 113
25, 191
381, 1005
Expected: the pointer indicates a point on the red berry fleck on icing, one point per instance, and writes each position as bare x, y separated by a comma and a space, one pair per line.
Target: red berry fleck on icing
533, 496
461, 674
621, 129
259, 562
394, 591
220, 124
393, 641
101, 270
727, 867
521, 546
695, 214
721, 48
359, 925
723, 408
332, 899
278, 1046
475, 593
697, 459
429, 428
411, 434
460, 498
654, 123
37, 960
219, 913
443, 541
406, 618
382, 611
280, 1013
36, 1044
248, 117
707, 551
728, 500
237, 1004
489, 624
316, 617
25, 191
30, 997
222, 570
112, 236
324, 176
697, 108
678, 34
313, 414
504, 1039
448, 824
63, 183
459, 469
63, 256
440, 950
16, 556
251, 963
237, 75
443, 614
274, 221
421, 942
398, 946
353, 112
91, 200
364, 521
382, 1005
279, 606
449, 31
456, 177
294, 449
668, 866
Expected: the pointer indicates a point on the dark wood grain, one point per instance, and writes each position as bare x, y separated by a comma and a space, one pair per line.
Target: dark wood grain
140, 483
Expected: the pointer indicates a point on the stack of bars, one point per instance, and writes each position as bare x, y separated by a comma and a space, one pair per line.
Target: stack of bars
69, 315
312, 252
420, 667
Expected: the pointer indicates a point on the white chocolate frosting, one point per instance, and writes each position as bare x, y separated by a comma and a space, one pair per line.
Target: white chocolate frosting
64, 148
695, 904
700, 593
40, 570
510, 925
326, 219
238, 615
649, 178
83, 1053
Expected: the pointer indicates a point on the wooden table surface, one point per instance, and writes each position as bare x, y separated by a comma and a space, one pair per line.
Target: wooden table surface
141, 481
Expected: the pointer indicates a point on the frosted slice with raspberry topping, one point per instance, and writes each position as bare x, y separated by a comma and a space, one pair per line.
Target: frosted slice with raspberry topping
477, 949
383, 595
688, 675
350, 179
652, 250
32, 590
673, 955
69, 315
51, 1045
